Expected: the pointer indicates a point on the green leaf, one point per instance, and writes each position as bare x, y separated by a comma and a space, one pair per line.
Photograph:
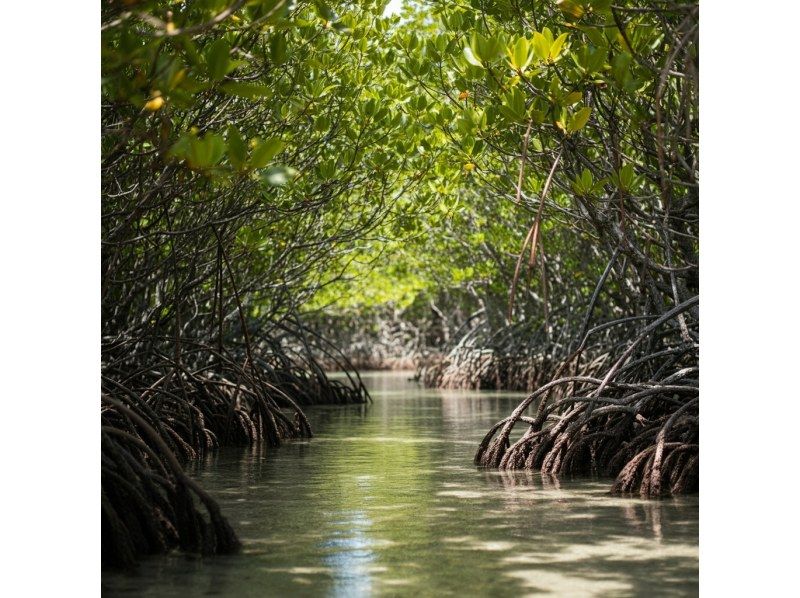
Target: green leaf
486, 49
277, 49
572, 98
619, 67
237, 149
196, 156
555, 48
514, 105
541, 47
521, 55
600, 5
277, 176
206, 152
571, 8
265, 151
471, 58
584, 184
181, 148
577, 187
218, 58
324, 11
626, 176
276, 9
587, 179
595, 60
327, 169
216, 148
555, 87
235, 64
580, 119
321, 124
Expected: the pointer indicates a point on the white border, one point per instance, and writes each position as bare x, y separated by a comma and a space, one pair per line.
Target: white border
49, 299
750, 189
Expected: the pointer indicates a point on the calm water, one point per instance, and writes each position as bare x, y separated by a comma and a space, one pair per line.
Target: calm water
385, 501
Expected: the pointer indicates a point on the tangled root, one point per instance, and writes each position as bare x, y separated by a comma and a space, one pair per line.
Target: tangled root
515, 357
638, 422
148, 502
158, 413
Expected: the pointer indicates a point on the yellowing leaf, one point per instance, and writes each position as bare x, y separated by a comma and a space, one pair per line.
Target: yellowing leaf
571, 8
154, 104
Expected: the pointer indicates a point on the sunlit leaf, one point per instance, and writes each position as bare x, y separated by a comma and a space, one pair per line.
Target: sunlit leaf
471, 57
555, 48
265, 151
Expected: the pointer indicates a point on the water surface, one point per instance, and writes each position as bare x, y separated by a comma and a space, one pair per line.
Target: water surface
384, 500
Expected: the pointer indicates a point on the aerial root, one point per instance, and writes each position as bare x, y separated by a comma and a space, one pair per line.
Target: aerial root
157, 417
148, 502
638, 421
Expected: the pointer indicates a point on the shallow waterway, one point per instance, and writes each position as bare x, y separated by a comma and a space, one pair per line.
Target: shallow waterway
385, 500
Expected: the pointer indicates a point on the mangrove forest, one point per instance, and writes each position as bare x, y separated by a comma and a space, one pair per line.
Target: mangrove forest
399, 298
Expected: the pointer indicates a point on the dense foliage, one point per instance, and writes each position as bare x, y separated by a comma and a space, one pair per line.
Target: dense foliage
580, 120
240, 148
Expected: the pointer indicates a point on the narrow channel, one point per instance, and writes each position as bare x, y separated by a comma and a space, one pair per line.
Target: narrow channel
385, 500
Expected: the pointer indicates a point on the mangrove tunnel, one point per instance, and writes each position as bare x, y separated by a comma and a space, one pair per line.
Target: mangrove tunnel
493, 196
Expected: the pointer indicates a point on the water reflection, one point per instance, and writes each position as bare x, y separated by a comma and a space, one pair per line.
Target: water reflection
347, 553
385, 500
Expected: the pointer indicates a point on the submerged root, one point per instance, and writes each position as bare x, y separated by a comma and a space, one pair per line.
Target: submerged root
148, 502
516, 357
638, 421
156, 417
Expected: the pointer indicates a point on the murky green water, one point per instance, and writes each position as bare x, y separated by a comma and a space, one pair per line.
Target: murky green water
385, 501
